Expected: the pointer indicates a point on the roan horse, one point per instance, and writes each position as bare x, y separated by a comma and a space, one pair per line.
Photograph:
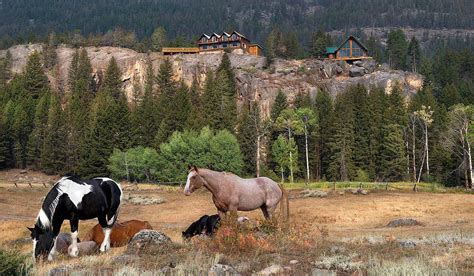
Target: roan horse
74, 199
232, 193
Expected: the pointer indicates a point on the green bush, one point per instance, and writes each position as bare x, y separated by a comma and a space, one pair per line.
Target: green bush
13, 263
218, 151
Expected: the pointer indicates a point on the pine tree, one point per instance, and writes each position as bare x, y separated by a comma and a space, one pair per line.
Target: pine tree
392, 154
324, 110
53, 152
35, 81
7, 124
211, 102
292, 46
21, 128
166, 88
342, 141
196, 117
39, 132
363, 120
3, 144
319, 41
279, 105
397, 49
109, 125
176, 118
414, 54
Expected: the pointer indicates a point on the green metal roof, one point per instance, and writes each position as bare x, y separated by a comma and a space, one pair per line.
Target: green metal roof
331, 50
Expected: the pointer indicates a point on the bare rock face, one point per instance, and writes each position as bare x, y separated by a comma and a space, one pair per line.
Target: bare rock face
254, 82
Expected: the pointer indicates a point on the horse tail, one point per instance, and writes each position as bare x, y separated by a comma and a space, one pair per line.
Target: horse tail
284, 205
113, 191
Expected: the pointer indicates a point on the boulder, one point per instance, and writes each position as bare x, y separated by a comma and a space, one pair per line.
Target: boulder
356, 71
323, 272
63, 241
403, 222
407, 244
272, 270
147, 239
293, 262
313, 193
222, 270
60, 271
85, 248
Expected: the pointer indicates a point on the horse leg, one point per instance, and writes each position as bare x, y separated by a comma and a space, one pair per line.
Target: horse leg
265, 211
56, 229
74, 222
107, 229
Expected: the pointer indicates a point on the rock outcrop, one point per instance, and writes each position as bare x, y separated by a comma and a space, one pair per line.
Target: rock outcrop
255, 83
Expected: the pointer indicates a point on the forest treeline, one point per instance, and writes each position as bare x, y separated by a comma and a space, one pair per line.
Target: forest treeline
31, 21
361, 134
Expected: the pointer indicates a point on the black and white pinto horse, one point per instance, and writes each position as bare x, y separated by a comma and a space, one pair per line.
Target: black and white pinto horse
74, 199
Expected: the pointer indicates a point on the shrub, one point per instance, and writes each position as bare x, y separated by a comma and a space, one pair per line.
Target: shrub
13, 263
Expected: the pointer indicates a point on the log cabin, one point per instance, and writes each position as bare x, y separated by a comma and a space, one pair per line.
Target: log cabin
350, 50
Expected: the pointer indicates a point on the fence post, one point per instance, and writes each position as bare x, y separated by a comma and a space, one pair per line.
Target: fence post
386, 186
16, 185
29, 183
334, 186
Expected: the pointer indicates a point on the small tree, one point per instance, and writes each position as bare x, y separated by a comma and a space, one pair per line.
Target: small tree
309, 120
292, 124
279, 152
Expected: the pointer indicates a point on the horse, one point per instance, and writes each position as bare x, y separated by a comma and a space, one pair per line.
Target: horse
74, 199
205, 225
231, 193
122, 232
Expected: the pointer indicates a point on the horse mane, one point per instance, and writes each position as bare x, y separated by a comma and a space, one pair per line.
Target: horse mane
44, 220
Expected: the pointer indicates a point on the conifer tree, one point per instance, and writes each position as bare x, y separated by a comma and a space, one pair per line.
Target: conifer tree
324, 111
363, 120
109, 125
35, 81
196, 117
211, 102
21, 131
319, 41
166, 88
8, 118
39, 132
341, 143
414, 54
175, 119
397, 49
3, 144
279, 105
53, 152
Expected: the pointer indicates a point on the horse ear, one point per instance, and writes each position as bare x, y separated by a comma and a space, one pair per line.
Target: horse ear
195, 168
31, 229
189, 167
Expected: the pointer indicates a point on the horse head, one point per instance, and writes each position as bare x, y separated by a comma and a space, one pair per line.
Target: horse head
43, 241
194, 181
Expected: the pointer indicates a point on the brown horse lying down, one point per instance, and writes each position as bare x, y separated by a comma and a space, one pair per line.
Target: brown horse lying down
122, 232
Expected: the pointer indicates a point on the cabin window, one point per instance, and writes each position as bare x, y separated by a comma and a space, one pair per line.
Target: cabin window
224, 45
234, 36
224, 38
356, 52
235, 44
214, 46
214, 39
204, 47
203, 40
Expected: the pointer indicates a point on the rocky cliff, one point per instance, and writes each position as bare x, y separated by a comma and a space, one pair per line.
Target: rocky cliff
254, 82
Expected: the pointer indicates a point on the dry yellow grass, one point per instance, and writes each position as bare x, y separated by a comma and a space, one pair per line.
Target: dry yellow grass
336, 217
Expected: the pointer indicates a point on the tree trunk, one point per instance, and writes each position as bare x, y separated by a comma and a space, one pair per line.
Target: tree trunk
307, 156
291, 157
469, 158
427, 150
257, 161
414, 152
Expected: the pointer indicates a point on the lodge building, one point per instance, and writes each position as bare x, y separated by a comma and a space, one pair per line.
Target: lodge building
350, 50
234, 41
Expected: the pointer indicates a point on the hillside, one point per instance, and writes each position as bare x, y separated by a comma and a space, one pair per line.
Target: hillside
253, 81
24, 19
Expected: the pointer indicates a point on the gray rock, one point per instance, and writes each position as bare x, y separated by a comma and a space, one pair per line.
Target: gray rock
85, 248
63, 241
364, 192
407, 244
313, 193
358, 63
272, 270
403, 222
356, 72
125, 259
293, 262
59, 271
221, 269
323, 272
147, 239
